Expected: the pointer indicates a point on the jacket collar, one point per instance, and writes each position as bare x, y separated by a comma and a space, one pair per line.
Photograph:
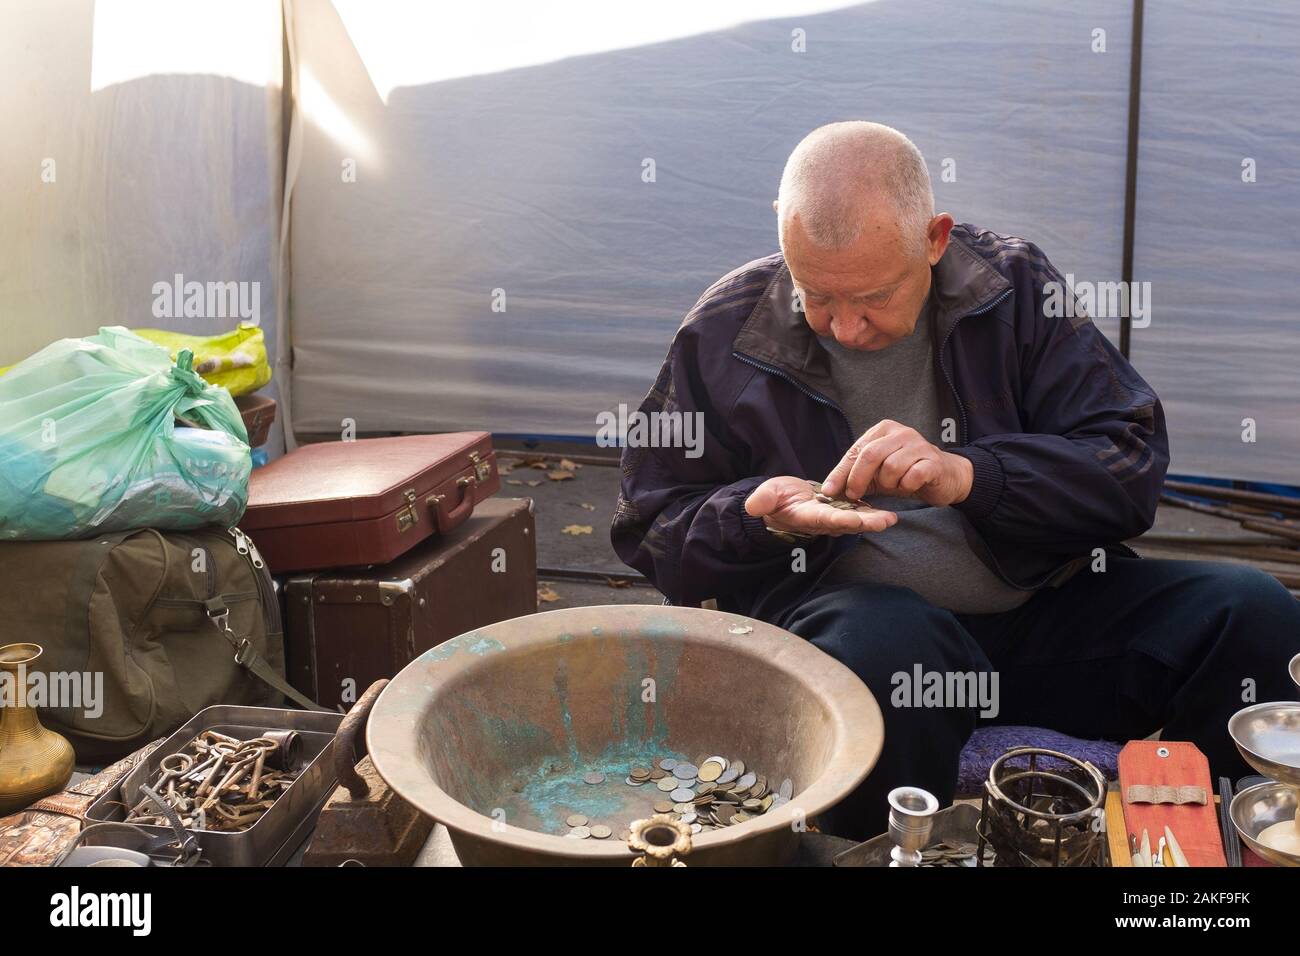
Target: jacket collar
775, 334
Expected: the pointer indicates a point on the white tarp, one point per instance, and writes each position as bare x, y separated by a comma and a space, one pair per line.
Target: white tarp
1222, 254
142, 140
492, 149
457, 156
530, 180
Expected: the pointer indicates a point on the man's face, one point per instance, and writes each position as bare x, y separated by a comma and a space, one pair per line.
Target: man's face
867, 295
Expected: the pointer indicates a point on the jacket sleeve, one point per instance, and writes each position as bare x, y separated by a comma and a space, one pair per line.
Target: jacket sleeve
1090, 464
681, 519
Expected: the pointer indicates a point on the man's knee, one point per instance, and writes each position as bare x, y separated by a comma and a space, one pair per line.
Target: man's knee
1248, 596
1240, 619
1258, 592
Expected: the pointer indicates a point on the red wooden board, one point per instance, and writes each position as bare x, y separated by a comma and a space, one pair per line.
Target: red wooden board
1196, 827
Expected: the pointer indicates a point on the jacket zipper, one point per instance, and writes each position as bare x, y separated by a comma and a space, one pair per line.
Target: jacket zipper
815, 396
961, 409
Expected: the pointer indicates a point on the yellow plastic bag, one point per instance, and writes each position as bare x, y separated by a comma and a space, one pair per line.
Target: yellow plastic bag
236, 360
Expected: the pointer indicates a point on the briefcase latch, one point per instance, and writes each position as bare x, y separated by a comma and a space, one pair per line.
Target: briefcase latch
408, 517
482, 467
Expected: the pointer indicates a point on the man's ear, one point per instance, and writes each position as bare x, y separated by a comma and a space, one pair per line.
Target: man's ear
937, 236
774, 209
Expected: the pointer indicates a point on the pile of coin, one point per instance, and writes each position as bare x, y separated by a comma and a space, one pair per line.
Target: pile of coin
844, 504
578, 827
955, 854
709, 794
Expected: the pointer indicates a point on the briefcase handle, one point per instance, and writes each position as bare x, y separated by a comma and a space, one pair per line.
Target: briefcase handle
445, 516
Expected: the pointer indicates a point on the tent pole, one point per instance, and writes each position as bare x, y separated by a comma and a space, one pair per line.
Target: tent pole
1130, 168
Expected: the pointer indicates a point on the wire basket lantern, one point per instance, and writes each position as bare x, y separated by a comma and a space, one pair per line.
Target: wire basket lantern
1043, 808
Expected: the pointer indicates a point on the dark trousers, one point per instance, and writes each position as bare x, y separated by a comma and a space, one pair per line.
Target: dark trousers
1146, 645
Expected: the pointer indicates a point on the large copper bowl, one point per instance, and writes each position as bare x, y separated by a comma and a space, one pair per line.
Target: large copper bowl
475, 731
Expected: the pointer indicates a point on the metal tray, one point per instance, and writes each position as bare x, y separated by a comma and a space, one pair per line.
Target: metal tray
274, 837
954, 824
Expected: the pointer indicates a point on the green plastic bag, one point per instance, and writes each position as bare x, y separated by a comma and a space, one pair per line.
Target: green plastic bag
90, 442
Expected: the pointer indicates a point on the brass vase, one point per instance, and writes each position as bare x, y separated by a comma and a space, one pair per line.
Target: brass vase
34, 761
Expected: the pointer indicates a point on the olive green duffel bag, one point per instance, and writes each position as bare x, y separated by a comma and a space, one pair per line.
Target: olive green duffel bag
141, 630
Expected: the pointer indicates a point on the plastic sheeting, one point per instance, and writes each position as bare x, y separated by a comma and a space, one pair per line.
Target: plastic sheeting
457, 156
527, 180
143, 140
1222, 254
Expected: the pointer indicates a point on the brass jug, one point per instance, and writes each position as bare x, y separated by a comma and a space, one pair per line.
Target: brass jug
34, 761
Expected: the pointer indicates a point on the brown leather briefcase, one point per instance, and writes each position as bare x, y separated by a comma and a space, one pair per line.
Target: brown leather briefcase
346, 629
349, 503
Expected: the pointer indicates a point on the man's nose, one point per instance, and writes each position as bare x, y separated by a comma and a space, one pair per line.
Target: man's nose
847, 323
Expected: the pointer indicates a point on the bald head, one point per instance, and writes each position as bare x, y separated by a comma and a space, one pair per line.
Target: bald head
844, 176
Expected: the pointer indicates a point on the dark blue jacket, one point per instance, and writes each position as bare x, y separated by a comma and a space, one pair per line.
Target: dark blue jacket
1067, 441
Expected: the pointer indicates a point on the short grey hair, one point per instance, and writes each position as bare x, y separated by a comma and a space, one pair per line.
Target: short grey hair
837, 174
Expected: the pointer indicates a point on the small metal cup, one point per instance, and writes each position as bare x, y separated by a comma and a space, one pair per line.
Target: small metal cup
911, 815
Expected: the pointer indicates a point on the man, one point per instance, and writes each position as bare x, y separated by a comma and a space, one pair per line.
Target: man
1008, 452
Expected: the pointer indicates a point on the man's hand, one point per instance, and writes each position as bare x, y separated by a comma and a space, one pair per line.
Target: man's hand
894, 460
787, 504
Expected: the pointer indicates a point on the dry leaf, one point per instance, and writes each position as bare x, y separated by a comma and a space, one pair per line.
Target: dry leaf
559, 475
586, 507
577, 529
533, 484
618, 582
547, 593
504, 467
513, 481
539, 463
568, 465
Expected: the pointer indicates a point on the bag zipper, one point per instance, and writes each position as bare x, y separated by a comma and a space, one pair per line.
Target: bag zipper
265, 586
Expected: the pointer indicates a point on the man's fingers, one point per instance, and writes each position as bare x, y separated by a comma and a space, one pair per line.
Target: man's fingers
836, 520
875, 520
882, 427
818, 518
921, 473
862, 476
834, 482
893, 468
763, 500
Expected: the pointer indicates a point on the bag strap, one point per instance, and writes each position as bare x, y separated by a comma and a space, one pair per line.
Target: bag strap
246, 656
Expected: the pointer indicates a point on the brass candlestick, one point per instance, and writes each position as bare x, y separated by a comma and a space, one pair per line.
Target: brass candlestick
34, 761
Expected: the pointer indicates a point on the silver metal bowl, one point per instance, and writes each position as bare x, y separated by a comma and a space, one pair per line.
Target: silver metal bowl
1268, 737
1258, 807
1294, 669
